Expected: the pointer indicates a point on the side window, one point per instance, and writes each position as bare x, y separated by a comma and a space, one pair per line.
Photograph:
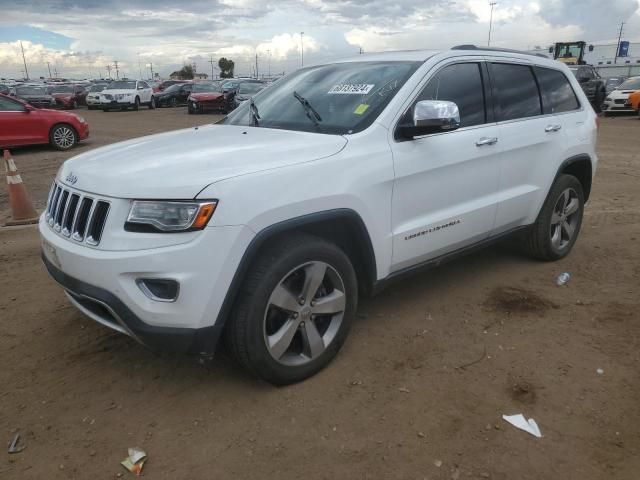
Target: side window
557, 94
516, 92
7, 105
460, 83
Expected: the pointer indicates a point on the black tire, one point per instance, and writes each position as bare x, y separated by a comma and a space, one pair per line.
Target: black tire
63, 136
173, 102
152, 103
598, 100
136, 104
246, 330
90, 107
74, 105
190, 109
105, 109
539, 240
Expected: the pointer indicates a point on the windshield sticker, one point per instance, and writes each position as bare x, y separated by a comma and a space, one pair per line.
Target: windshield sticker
351, 89
360, 109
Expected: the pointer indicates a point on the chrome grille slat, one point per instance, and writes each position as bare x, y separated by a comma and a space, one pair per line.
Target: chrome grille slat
73, 214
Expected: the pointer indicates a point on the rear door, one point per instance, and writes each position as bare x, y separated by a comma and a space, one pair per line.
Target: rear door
444, 195
532, 143
18, 126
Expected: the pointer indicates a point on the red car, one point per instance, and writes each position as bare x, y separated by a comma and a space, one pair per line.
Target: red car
208, 96
68, 96
22, 124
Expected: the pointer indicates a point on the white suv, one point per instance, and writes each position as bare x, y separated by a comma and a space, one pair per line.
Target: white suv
339, 178
124, 94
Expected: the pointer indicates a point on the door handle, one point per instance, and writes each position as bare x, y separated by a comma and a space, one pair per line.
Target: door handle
486, 141
552, 128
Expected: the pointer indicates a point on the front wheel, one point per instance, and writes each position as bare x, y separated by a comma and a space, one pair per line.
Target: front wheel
63, 137
152, 103
136, 104
555, 232
294, 310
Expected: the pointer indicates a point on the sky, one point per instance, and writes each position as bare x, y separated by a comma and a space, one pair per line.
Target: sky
79, 38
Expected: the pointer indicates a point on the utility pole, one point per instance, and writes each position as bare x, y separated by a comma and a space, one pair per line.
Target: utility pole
301, 49
615, 59
257, 65
269, 64
26, 72
55, 71
151, 68
109, 70
139, 67
115, 62
211, 62
491, 4
49, 68
361, 51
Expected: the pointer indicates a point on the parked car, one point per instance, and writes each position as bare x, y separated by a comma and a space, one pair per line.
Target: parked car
338, 179
68, 96
124, 94
247, 90
35, 95
617, 101
165, 84
612, 82
592, 84
4, 89
634, 101
22, 124
208, 96
174, 95
93, 95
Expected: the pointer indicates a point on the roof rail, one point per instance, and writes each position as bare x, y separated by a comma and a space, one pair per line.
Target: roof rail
494, 49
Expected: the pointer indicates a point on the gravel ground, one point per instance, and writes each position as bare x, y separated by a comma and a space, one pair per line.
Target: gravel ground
417, 392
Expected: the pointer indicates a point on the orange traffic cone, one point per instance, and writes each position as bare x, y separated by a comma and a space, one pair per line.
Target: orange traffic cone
22, 211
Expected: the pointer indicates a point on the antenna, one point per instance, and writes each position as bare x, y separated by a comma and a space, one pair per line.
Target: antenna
491, 4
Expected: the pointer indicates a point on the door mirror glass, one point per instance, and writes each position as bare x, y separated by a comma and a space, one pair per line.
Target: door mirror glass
432, 116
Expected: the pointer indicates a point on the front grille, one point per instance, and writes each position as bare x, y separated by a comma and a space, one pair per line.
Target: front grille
619, 101
107, 96
75, 215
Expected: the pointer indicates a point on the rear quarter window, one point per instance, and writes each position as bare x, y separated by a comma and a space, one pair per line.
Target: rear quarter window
515, 91
557, 93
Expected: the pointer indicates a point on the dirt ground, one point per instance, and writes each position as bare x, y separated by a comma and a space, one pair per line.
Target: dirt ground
418, 391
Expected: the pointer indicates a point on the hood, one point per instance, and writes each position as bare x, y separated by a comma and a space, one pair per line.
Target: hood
179, 164
36, 97
203, 96
117, 91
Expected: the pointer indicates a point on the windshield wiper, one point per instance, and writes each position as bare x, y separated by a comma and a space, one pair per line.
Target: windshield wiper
311, 112
255, 116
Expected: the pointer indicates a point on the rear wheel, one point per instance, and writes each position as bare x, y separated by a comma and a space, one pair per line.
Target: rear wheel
294, 310
173, 102
555, 232
152, 103
63, 136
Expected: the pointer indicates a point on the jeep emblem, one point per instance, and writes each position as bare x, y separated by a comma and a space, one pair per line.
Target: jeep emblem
71, 178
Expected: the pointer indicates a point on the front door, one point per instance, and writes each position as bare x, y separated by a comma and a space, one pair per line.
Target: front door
18, 126
444, 195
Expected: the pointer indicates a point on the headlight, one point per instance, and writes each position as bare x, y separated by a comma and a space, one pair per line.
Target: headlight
608, 99
169, 216
81, 119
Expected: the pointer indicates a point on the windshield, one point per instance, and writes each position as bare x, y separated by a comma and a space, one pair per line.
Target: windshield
61, 89
173, 88
207, 87
340, 98
250, 87
631, 84
31, 91
97, 88
122, 85
230, 84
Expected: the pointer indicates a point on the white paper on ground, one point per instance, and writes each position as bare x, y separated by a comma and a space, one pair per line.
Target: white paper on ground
518, 421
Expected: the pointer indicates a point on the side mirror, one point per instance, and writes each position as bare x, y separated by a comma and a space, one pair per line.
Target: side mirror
583, 79
432, 116
28, 109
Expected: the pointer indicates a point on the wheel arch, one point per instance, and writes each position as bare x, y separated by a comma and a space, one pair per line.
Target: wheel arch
344, 227
66, 124
579, 166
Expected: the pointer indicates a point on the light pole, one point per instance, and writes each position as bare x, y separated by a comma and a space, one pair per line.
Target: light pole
492, 4
301, 49
269, 64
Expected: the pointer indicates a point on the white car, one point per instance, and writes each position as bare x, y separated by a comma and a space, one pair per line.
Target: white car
124, 94
93, 95
338, 179
617, 101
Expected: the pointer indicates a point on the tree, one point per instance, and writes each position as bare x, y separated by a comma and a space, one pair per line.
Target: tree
226, 67
186, 72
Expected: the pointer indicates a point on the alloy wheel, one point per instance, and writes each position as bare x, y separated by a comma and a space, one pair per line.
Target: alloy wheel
565, 218
304, 313
64, 137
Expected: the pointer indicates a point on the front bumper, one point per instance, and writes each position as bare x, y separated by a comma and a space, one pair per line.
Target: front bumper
611, 106
102, 284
